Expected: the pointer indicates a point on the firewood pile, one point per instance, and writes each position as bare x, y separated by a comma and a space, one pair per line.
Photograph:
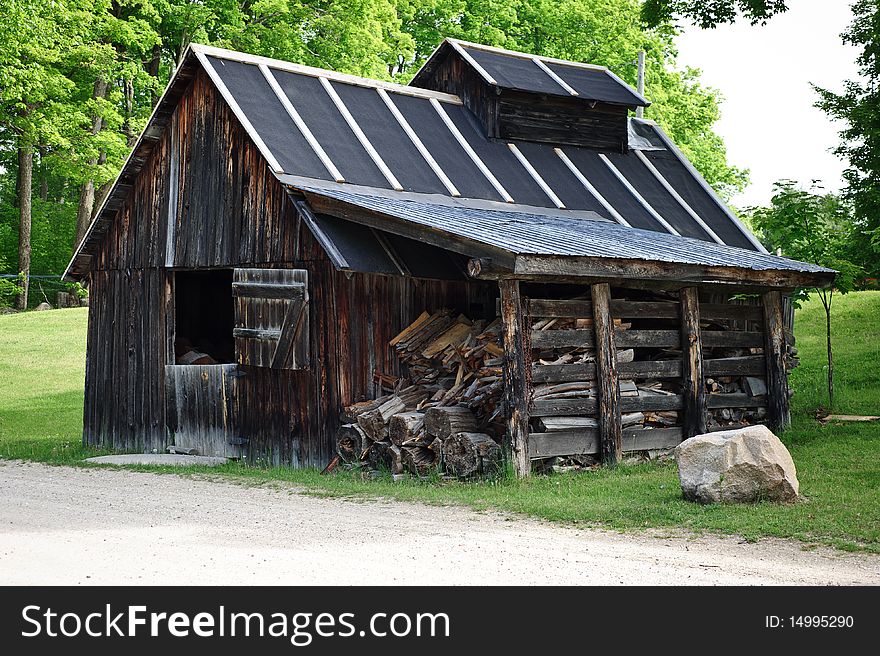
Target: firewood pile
754, 387
444, 415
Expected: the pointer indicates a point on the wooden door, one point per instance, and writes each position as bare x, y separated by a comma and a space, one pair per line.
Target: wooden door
201, 399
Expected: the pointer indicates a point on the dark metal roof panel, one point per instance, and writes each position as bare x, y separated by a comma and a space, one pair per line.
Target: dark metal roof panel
596, 85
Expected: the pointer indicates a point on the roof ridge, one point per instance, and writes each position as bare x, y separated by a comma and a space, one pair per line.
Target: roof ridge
312, 71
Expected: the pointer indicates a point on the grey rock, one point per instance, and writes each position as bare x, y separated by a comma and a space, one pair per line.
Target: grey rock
737, 466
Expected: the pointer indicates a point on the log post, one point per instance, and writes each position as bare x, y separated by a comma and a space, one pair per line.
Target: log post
693, 386
516, 384
610, 428
778, 413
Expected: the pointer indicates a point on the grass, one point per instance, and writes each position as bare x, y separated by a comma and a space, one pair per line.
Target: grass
41, 362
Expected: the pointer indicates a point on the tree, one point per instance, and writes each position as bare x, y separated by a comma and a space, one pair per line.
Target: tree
859, 107
32, 87
812, 227
710, 13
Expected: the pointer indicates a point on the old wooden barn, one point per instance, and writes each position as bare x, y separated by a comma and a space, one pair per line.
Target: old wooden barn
500, 235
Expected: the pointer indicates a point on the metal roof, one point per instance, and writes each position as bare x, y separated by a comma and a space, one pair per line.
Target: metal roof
520, 71
328, 127
312, 124
523, 233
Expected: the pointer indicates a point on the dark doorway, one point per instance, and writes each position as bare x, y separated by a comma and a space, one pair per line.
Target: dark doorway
204, 317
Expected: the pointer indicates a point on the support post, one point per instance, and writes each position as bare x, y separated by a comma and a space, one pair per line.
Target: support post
778, 412
516, 383
693, 386
610, 429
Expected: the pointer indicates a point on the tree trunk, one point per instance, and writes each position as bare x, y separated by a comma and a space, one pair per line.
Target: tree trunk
44, 180
826, 302
25, 182
87, 190
152, 68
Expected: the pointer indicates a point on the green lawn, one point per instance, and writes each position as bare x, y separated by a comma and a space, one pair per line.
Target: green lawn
41, 365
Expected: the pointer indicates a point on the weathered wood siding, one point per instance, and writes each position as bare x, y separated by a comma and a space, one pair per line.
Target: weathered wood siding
124, 390
529, 116
231, 212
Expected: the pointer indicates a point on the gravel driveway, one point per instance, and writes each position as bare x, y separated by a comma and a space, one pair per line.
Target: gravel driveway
61, 525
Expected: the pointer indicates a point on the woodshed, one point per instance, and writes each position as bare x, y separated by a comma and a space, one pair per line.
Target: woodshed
496, 254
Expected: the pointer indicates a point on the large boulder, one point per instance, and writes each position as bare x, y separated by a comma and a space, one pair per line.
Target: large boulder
737, 466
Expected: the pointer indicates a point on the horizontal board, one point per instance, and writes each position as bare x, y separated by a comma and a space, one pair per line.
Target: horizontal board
566, 373
647, 338
268, 290
586, 442
642, 439
752, 365
563, 373
578, 407
736, 401
255, 333
538, 307
714, 311
641, 369
620, 309
739, 338
563, 338
564, 443
622, 338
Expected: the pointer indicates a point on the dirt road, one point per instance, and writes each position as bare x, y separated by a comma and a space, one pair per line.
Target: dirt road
62, 525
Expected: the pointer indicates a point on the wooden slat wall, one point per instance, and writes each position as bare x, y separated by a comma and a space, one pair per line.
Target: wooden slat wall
124, 391
232, 212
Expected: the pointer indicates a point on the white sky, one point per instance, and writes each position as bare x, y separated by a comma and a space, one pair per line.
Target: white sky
768, 120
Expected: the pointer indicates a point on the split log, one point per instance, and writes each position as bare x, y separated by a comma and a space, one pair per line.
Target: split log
443, 422
405, 427
377, 455
351, 412
470, 454
374, 423
351, 442
418, 460
395, 462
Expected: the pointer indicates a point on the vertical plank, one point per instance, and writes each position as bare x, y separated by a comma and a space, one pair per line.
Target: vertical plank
610, 429
693, 389
778, 413
516, 384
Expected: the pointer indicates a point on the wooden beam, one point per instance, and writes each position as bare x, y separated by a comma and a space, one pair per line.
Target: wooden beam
573, 266
778, 413
610, 428
693, 388
516, 385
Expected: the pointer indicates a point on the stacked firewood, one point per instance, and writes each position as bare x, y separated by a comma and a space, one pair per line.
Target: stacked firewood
415, 442
459, 360
752, 386
444, 415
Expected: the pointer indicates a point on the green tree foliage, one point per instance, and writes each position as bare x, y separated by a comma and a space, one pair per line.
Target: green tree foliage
710, 13
859, 107
812, 227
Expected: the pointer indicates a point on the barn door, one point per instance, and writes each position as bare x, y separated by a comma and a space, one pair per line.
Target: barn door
271, 317
200, 400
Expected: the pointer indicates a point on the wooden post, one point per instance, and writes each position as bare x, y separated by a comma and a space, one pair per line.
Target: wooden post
778, 413
693, 386
516, 385
610, 429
